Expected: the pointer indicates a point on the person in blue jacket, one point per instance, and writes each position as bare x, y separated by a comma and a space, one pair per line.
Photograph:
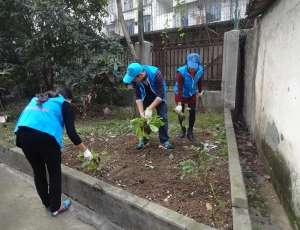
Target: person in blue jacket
39, 133
149, 88
188, 78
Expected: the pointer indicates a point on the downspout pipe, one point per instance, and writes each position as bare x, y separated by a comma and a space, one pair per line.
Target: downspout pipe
236, 14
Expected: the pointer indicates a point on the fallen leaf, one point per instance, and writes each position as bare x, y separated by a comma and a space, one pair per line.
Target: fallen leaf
208, 207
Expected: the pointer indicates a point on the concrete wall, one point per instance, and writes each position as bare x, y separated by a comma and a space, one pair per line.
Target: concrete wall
272, 94
210, 99
230, 67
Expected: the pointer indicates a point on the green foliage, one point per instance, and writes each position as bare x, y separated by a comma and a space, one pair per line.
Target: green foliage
222, 204
100, 71
181, 116
179, 9
45, 42
93, 164
188, 167
144, 127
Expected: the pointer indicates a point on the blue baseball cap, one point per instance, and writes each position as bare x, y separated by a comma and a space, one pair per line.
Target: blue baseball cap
193, 60
133, 70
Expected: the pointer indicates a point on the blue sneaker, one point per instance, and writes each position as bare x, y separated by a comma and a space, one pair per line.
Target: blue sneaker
142, 144
48, 208
66, 205
166, 145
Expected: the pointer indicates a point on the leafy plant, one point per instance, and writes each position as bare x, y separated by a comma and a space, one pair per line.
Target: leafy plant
188, 167
93, 164
182, 116
144, 127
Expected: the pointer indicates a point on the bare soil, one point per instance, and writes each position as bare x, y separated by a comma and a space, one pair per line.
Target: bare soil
154, 174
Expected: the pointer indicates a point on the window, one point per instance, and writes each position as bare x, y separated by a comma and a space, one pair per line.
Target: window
213, 12
110, 7
147, 24
111, 30
128, 4
164, 6
130, 26
185, 19
146, 2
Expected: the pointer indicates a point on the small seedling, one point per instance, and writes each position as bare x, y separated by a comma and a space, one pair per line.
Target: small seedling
93, 164
188, 167
182, 116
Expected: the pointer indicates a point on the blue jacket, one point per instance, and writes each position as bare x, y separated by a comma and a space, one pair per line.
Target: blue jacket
189, 85
46, 118
151, 71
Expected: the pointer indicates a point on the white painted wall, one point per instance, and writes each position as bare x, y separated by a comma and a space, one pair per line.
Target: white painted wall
276, 88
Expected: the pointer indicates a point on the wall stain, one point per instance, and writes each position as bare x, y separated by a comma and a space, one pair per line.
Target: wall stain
272, 136
281, 179
281, 137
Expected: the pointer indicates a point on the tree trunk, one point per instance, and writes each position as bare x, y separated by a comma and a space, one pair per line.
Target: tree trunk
126, 35
141, 29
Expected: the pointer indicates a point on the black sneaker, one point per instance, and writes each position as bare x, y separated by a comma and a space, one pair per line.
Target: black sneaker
142, 144
166, 145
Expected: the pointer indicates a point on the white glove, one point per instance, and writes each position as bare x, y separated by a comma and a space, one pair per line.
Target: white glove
87, 155
178, 109
200, 94
148, 113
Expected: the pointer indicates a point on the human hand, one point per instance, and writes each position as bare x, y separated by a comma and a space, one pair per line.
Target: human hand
200, 94
178, 108
148, 113
87, 155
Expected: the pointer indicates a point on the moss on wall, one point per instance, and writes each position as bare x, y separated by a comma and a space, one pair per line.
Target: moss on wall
281, 177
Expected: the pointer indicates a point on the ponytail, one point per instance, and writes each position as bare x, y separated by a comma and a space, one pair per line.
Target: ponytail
42, 97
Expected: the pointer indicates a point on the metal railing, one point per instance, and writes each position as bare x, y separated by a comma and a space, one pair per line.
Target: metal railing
169, 58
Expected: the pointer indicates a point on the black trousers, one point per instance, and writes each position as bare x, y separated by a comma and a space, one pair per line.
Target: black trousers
39, 158
192, 116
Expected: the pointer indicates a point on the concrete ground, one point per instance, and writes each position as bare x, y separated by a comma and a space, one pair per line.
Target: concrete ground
21, 207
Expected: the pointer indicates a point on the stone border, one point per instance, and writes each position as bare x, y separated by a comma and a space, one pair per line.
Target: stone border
116, 205
130, 211
240, 212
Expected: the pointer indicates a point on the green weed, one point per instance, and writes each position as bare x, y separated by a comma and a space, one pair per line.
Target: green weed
188, 167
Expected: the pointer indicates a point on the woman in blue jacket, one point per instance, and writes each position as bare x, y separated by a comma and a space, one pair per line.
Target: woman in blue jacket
39, 133
188, 78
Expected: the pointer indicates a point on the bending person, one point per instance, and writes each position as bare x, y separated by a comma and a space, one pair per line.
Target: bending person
149, 88
39, 133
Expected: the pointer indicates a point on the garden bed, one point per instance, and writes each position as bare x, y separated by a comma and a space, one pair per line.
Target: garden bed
192, 180
202, 193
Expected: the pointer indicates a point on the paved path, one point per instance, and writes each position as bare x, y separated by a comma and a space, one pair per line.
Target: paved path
21, 208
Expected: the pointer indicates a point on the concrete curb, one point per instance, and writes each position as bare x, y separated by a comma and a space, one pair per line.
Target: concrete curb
114, 204
132, 212
240, 212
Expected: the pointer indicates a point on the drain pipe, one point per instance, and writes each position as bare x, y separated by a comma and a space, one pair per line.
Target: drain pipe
236, 14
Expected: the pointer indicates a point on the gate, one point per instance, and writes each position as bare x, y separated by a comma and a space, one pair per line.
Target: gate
169, 58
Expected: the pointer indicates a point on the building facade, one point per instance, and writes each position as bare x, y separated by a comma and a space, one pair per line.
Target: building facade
160, 14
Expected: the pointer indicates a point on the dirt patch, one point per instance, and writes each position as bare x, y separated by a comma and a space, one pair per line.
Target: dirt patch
154, 174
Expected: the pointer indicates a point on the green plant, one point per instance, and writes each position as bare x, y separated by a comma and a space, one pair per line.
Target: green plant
144, 127
181, 116
188, 167
93, 164
221, 203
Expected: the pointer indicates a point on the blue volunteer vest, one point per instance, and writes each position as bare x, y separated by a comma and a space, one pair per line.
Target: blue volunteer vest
46, 118
189, 85
151, 71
